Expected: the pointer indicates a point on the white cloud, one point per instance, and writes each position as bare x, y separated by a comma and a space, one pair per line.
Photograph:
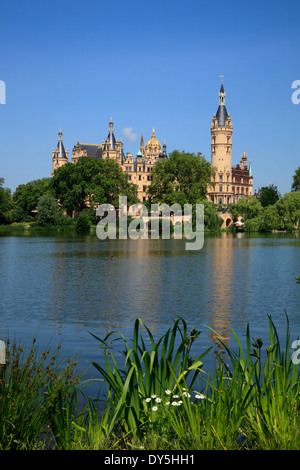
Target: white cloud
128, 134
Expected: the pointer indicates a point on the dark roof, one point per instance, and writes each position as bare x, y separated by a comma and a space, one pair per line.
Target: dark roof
112, 141
92, 150
61, 150
221, 115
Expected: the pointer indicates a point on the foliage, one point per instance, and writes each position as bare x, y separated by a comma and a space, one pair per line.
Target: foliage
63, 221
270, 383
30, 386
296, 180
269, 220
147, 373
288, 208
47, 211
83, 223
212, 221
269, 195
181, 179
161, 399
283, 215
89, 182
247, 207
5, 204
26, 198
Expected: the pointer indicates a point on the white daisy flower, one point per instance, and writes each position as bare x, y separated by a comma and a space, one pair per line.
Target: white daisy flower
167, 403
154, 408
153, 396
148, 399
200, 396
158, 400
175, 396
168, 392
174, 403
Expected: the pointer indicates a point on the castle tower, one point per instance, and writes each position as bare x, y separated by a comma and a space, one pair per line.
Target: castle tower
59, 155
153, 147
142, 148
111, 147
221, 147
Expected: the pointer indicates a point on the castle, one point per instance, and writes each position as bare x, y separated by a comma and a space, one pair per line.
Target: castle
229, 184
138, 169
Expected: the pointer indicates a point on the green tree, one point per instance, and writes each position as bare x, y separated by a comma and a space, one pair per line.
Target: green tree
296, 180
90, 182
246, 207
5, 204
182, 178
269, 195
288, 208
270, 219
212, 221
47, 211
26, 198
83, 223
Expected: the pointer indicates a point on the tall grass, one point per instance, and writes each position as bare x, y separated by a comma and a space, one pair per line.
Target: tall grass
32, 387
147, 373
252, 402
159, 396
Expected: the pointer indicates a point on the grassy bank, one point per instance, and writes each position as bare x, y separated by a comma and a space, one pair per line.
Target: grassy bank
161, 397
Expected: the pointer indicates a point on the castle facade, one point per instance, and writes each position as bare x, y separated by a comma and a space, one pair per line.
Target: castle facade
138, 169
229, 184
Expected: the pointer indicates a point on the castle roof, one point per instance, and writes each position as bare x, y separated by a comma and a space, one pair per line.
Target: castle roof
222, 111
60, 146
221, 115
92, 150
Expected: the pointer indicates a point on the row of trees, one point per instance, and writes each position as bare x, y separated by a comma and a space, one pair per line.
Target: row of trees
73, 188
284, 214
182, 178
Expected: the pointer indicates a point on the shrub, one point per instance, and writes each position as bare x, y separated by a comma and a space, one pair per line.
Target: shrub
83, 223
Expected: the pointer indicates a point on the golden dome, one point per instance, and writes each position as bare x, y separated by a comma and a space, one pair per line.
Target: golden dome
153, 144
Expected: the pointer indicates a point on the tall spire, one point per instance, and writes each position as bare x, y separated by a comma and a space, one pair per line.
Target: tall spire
111, 137
60, 146
222, 94
142, 148
222, 112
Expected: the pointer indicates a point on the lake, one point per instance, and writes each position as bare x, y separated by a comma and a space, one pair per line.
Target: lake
64, 287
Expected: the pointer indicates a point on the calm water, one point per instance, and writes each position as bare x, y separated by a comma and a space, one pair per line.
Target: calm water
63, 287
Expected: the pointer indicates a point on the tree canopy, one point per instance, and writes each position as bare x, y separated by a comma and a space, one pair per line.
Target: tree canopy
26, 198
47, 210
5, 203
246, 207
269, 195
89, 182
283, 215
181, 179
296, 180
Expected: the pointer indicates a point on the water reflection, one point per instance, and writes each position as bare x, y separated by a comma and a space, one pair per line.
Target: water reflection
71, 285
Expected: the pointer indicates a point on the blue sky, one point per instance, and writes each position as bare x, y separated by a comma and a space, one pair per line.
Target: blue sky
74, 64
